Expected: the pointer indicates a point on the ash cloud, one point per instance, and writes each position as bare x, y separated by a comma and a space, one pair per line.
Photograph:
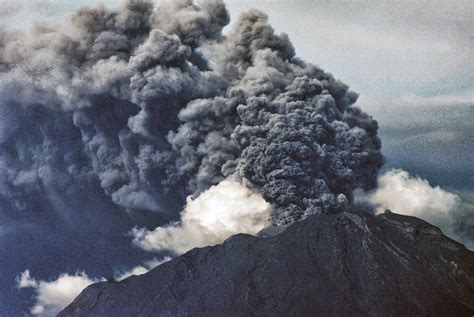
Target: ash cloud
287, 127
122, 113
153, 104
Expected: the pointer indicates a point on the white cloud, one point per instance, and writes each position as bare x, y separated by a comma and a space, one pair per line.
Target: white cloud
223, 210
25, 280
404, 194
141, 269
53, 296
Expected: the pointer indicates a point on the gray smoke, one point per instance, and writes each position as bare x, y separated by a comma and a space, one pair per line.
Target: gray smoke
153, 104
286, 126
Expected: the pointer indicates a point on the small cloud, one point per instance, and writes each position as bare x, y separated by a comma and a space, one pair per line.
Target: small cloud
223, 210
53, 296
25, 280
141, 269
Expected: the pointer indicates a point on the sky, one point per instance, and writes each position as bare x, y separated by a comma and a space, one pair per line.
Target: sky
411, 63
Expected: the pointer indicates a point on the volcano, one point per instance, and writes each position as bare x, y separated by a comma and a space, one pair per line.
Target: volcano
340, 264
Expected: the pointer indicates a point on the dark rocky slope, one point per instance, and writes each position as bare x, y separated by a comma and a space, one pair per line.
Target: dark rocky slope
328, 265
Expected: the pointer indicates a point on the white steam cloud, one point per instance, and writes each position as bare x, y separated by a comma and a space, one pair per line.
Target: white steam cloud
53, 296
141, 269
223, 210
404, 194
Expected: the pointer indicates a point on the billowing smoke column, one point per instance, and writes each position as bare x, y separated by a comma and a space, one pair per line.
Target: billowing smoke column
155, 104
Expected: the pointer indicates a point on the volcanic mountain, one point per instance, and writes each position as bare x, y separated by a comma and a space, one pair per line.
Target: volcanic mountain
340, 264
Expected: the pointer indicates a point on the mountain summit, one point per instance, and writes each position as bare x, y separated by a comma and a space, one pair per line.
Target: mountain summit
342, 264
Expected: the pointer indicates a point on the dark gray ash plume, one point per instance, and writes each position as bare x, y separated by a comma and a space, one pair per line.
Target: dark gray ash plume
154, 104
286, 126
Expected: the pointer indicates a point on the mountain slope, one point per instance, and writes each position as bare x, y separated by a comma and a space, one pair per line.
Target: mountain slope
332, 265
